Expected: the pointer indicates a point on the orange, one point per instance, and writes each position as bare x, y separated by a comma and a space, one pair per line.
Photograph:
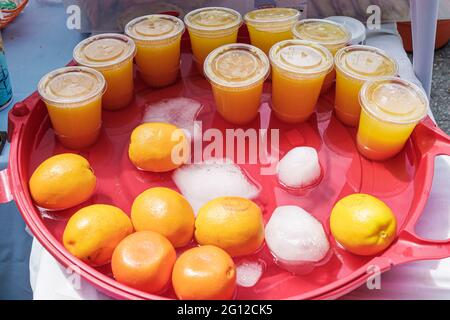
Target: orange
204, 273
144, 261
93, 233
164, 211
62, 181
234, 224
363, 224
158, 147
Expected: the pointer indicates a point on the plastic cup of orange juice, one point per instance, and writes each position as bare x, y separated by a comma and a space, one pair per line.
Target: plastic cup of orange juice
298, 70
237, 73
391, 109
271, 25
73, 96
210, 28
112, 55
158, 42
354, 66
329, 34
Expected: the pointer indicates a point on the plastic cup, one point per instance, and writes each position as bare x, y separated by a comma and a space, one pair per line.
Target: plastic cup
112, 55
237, 73
73, 96
210, 28
354, 66
158, 42
271, 25
298, 71
391, 109
329, 34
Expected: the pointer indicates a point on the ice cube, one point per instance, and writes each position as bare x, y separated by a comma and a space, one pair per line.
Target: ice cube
296, 239
181, 112
248, 273
203, 182
299, 168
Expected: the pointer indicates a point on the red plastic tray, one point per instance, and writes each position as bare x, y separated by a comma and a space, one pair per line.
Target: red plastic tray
402, 182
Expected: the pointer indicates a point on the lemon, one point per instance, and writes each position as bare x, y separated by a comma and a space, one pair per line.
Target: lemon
158, 147
233, 224
93, 233
62, 181
363, 224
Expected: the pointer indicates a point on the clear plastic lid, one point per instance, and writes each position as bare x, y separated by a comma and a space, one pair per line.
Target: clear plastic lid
325, 32
213, 19
104, 50
71, 85
154, 28
236, 65
365, 62
269, 15
272, 19
394, 100
301, 58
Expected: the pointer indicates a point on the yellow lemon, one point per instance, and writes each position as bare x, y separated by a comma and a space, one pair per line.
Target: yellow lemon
93, 233
158, 147
363, 224
234, 224
164, 211
62, 181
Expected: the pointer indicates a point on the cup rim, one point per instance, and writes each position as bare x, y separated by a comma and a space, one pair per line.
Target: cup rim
419, 91
381, 52
334, 43
191, 27
326, 69
65, 101
250, 21
157, 38
128, 55
242, 46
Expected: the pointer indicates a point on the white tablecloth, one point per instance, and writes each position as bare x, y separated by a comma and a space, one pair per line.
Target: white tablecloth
419, 280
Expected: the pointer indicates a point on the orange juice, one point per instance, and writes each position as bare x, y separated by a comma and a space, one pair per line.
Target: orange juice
158, 42
237, 73
298, 71
354, 66
391, 109
112, 55
329, 34
73, 96
271, 25
210, 28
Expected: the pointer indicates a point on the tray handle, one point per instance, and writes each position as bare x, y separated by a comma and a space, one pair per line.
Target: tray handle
432, 142
5, 189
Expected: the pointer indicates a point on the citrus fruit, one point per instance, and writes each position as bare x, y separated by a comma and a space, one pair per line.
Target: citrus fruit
164, 211
144, 260
158, 147
93, 232
62, 181
204, 273
363, 224
232, 223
